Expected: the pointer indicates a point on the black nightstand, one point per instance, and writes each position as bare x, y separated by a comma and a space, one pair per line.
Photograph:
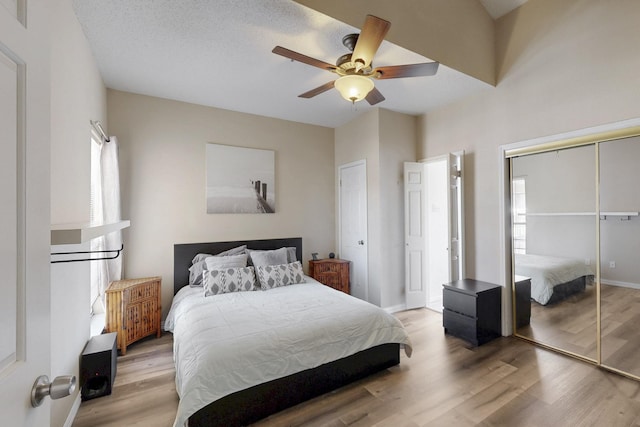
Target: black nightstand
472, 310
523, 301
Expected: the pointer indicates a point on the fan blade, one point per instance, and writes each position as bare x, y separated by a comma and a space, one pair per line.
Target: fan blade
279, 50
374, 97
317, 91
374, 31
413, 70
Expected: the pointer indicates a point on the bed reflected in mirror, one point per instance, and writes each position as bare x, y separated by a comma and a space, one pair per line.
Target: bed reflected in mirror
619, 249
554, 244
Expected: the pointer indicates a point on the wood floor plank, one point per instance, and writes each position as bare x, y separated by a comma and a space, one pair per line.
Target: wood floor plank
447, 382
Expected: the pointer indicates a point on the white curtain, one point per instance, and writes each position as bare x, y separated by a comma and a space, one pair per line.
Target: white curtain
105, 209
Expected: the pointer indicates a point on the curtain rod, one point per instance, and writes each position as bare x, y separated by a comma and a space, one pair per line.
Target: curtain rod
98, 127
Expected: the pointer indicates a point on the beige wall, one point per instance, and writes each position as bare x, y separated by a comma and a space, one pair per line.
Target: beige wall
386, 140
398, 142
562, 66
77, 96
162, 163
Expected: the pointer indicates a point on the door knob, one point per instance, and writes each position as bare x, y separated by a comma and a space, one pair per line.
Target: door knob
361, 242
61, 386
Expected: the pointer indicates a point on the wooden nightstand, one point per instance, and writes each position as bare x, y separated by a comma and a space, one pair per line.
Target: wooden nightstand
331, 272
133, 309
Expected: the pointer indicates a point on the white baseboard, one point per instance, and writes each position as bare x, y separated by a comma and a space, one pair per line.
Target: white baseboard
73, 412
395, 308
621, 284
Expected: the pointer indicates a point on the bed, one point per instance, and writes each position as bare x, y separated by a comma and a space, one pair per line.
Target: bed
553, 278
254, 356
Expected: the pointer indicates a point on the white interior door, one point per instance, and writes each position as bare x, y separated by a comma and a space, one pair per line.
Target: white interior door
24, 209
437, 229
434, 233
415, 235
353, 224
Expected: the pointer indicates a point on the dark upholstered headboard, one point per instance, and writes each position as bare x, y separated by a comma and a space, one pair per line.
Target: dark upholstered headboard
183, 254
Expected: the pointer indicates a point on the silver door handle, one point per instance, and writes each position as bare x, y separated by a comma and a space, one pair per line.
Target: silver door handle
61, 386
361, 242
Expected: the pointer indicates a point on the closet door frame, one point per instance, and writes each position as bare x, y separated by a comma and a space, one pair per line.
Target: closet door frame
587, 136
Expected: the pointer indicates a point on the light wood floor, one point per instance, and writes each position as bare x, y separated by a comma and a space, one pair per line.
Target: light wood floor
571, 325
506, 382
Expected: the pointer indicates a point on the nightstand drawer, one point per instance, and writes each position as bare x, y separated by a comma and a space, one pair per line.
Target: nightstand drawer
460, 326
459, 302
143, 291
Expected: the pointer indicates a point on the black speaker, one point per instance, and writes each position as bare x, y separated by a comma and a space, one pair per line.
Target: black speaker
98, 366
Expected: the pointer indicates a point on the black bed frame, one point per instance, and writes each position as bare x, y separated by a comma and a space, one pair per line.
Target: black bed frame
565, 290
250, 405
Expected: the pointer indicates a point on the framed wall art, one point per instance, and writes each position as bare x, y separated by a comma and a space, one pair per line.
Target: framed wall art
240, 180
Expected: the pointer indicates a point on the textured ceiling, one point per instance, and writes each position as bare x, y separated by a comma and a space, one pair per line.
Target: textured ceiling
498, 8
218, 53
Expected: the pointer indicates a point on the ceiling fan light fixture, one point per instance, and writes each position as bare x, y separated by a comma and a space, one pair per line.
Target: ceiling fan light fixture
354, 88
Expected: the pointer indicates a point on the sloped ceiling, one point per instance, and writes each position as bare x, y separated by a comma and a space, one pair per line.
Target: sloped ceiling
218, 53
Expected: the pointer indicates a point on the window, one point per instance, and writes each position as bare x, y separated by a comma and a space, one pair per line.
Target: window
519, 213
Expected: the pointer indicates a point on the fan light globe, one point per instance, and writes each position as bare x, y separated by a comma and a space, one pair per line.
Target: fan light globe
354, 88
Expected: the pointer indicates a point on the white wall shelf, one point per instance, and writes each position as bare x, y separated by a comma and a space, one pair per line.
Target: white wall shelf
71, 234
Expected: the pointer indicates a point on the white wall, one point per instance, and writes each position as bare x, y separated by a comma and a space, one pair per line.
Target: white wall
385, 140
162, 161
77, 96
562, 66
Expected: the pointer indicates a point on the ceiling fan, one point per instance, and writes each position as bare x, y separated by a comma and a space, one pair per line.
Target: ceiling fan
355, 69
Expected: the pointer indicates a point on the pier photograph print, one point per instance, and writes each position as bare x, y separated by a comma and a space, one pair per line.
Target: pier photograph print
240, 180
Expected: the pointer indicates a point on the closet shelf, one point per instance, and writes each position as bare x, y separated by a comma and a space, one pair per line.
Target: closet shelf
70, 234
603, 214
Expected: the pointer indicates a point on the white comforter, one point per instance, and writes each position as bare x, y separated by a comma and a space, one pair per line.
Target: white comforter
230, 342
546, 272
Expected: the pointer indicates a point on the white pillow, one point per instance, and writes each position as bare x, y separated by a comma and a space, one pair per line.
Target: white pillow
227, 280
273, 276
274, 257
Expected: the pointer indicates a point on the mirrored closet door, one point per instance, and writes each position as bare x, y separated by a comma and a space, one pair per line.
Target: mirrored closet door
554, 241
575, 239
620, 254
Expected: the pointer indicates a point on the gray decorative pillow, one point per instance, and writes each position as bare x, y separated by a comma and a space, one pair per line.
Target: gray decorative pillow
213, 262
234, 251
273, 276
227, 280
274, 257
291, 254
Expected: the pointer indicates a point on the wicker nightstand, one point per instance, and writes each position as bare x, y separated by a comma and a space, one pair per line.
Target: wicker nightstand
133, 309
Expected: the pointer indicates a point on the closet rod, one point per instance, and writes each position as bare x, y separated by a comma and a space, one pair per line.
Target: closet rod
117, 254
98, 127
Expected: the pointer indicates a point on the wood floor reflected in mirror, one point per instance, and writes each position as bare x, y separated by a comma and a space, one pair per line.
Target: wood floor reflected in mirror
620, 328
569, 324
